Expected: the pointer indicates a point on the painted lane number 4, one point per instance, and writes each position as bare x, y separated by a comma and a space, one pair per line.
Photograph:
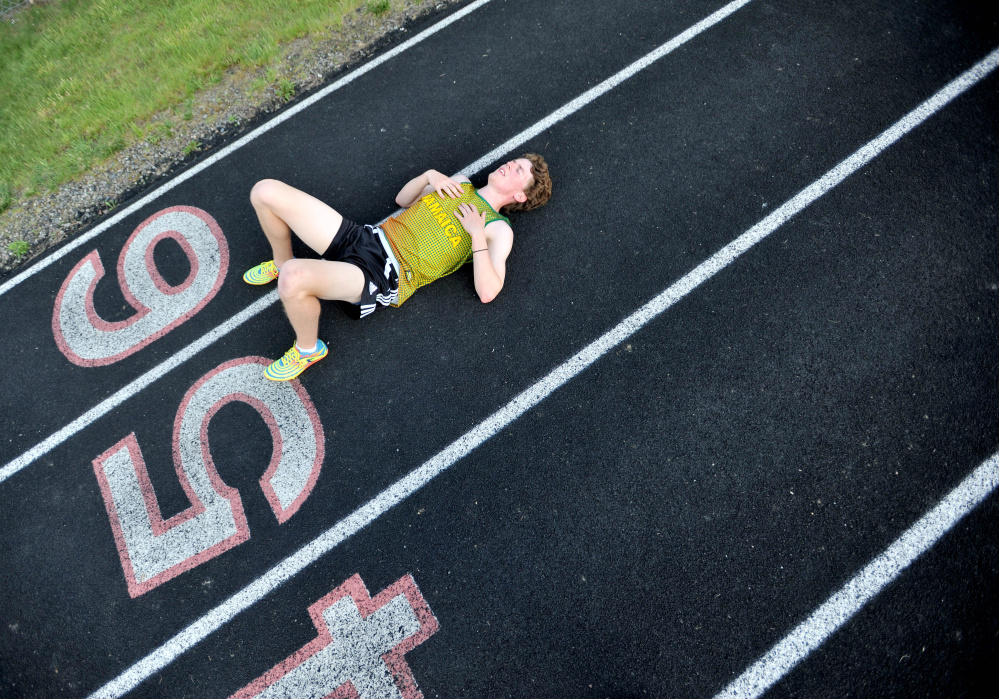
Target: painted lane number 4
358, 653
152, 550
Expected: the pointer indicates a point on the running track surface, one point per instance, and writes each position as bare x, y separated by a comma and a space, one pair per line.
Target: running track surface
652, 524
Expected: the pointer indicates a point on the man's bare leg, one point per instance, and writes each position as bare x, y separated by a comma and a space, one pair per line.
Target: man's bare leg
282, 209
303, 282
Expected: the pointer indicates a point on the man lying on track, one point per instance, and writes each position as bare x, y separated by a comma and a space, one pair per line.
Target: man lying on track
447, 222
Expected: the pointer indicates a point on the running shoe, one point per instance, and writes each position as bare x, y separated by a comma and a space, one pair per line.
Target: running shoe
294, 363
263, 273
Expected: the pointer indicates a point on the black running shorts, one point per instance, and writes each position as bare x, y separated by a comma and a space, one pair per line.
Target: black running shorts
367, 248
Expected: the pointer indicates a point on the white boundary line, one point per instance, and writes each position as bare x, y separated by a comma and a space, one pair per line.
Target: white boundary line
607, 85
852, 597
256, 133
570, 108
419, 477
119, 397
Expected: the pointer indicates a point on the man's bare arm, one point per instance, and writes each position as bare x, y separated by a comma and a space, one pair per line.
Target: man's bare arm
489, 250
429, 181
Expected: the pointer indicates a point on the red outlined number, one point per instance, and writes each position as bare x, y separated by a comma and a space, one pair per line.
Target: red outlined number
88, 340
360, 648
152, 550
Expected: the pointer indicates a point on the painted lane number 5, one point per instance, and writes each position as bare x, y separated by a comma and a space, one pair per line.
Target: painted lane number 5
152, 550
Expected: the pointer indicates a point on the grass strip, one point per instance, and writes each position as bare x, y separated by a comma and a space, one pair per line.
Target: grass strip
80, 79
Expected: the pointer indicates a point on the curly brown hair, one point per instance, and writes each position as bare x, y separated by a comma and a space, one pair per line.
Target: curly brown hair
539, 191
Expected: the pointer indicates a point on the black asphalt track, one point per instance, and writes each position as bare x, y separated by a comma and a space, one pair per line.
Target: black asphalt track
658, 523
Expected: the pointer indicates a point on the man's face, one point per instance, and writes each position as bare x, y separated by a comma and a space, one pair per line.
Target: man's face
512, 177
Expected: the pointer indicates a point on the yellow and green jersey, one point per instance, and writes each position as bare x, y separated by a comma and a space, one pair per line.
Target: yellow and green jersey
429, 240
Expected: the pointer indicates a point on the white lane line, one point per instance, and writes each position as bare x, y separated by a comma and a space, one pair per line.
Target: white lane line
608, 84
419, 477
116, 399
570, 108
852, 597
256, 133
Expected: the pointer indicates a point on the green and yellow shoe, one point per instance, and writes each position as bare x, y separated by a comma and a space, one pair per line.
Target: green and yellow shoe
263, 273
294, 363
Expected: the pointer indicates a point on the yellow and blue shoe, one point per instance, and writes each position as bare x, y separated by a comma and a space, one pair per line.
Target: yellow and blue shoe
263, 273
294, 363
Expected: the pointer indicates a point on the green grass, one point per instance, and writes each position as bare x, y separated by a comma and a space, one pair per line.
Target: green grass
19, 248
80, 79
285, 89
378, 7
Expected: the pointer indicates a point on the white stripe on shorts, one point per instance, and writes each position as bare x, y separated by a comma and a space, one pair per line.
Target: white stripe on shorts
388, 251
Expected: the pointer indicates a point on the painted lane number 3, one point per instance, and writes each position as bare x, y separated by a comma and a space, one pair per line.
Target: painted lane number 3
152, 550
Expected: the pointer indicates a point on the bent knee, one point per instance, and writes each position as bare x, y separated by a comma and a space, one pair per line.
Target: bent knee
294, 279
266, 193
